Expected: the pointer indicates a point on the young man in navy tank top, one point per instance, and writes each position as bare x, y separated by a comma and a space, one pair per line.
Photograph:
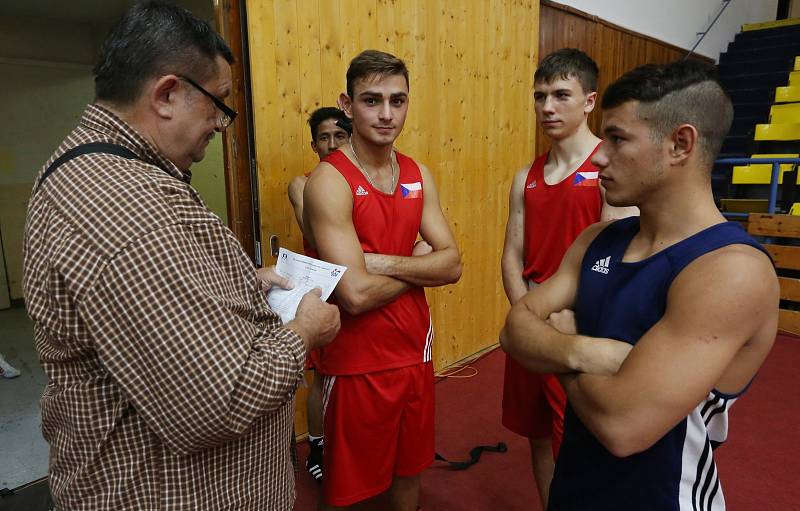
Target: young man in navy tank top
365, 206
330, 128
674, 311
551, 201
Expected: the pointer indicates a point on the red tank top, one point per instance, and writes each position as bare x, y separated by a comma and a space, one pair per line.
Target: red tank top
400, 333
556, 214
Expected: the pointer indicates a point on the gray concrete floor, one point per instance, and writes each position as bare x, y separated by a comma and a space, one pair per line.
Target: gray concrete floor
23, 451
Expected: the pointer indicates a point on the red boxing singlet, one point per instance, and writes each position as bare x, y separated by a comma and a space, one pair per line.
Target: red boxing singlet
400, 333
556, 214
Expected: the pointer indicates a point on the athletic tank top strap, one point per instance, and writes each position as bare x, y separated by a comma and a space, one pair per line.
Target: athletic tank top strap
707, 240
346, 168
536, 171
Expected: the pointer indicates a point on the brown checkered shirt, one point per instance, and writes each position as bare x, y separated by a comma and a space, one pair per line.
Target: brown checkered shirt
171, 382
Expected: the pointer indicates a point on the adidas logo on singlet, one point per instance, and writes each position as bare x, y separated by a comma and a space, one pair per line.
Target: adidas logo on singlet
601, 266
531, 185
360, 191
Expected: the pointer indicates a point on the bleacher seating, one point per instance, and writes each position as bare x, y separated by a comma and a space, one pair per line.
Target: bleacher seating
766, 109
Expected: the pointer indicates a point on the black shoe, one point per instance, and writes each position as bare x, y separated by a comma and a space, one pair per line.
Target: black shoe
314, 461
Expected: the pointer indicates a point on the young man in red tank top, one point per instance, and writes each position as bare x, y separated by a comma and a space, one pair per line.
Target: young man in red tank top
550, 203
365, 206
330, 128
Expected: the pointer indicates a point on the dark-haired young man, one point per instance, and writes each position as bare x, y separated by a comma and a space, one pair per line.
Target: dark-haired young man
550, 203
678, 306
171, 381
365, 205
330, 128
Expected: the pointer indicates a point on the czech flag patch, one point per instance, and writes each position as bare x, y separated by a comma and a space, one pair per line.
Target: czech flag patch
586, 179
411, 190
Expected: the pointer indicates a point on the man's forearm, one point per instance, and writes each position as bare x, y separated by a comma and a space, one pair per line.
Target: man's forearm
536, 345
438, 268
366, 292
513, 283
608, 413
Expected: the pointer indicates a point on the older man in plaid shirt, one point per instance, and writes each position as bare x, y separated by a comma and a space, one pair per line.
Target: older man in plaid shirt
171, 382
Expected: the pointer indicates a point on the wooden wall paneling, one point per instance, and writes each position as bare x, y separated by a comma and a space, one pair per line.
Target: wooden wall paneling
333, 61
308, 22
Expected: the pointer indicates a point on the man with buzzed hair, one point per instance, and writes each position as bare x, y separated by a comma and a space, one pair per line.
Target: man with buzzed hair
330, 128
365, 206
551, 201
171, 381
674, 311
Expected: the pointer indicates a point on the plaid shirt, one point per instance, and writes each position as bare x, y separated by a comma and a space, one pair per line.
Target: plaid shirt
171, 382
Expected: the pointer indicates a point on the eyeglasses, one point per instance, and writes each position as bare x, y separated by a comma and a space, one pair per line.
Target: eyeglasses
228, 114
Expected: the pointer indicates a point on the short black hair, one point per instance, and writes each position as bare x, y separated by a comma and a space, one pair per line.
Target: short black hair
154, 38
323, 114
371, 63
566, 63
681, 92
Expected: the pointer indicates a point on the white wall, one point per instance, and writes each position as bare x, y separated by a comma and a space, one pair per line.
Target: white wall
678, 21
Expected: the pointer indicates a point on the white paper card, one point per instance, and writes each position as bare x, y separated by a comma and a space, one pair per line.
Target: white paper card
305, 273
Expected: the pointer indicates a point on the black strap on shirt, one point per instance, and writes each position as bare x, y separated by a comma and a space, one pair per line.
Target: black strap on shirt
474, 455
90, 148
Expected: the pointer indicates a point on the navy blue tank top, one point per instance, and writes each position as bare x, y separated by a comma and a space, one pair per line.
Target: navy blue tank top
622, 301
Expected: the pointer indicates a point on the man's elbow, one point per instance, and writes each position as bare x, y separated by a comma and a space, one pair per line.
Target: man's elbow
622, 441
353, 302
454, 266
454, 273
505, 344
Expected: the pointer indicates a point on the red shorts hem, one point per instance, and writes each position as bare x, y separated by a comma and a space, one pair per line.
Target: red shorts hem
522, 429
349, 500
415, 471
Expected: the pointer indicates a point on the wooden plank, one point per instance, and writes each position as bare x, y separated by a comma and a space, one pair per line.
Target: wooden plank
789, 321
781, 226
787, 258
790, 288
235, 140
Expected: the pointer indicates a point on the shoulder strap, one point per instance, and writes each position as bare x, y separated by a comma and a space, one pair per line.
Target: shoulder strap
93, 147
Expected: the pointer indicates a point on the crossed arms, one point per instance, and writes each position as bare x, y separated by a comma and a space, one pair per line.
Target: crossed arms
375, 280
718, 327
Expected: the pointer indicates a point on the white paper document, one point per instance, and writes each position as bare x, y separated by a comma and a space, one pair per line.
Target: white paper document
305, 273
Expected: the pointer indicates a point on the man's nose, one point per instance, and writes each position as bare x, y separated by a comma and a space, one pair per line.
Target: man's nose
600, 159
385, 112
548, 105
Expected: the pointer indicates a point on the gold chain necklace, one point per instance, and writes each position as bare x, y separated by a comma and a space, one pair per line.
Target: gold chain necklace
366, 174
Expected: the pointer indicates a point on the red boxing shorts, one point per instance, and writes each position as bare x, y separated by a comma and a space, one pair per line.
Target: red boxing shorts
533, 404
377, 426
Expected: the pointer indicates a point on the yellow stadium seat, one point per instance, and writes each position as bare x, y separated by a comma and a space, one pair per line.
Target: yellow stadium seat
797, 63
789, 94
795, 209
787, 131
760, 173
794, 78
786, 113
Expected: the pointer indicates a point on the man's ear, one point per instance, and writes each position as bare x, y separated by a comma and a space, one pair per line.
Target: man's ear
163, 95
591, 101
345, 105
314, 147
683, 143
